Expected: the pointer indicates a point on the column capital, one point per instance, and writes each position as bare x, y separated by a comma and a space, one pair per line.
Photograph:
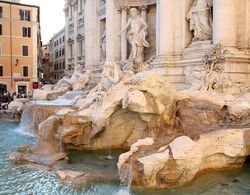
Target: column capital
143, 7
125, 8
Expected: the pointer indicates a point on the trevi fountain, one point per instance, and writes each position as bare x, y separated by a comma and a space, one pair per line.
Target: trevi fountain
161, 106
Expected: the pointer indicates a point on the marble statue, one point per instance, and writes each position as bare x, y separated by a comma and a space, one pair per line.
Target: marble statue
70, 81
111, 74
82, 81
201, 20
136, 35
78, 81
103, 44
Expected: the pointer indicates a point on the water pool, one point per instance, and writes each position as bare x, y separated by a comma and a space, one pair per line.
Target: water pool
24, 179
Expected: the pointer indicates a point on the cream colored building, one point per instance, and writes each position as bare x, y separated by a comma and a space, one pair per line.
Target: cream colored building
174, 50
74, 33
56, 47
19, 46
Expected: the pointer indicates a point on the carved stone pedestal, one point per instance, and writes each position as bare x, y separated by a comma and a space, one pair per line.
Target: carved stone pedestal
197, 49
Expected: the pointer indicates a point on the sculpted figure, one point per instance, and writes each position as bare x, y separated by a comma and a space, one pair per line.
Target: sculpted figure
111, 74
136, 35
201, 20
82, 82
75, 76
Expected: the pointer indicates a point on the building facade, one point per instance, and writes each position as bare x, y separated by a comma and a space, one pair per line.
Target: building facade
74, 33
177, 35
20, 43
45, 63
54, 68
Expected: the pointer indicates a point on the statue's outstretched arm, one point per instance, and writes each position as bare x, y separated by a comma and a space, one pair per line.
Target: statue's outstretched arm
126, 27
144, 23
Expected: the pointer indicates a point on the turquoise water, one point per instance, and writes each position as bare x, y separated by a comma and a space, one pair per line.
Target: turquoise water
24, 179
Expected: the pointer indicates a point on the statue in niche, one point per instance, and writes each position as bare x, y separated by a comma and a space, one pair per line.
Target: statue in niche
103, 44
200, 18
136, 35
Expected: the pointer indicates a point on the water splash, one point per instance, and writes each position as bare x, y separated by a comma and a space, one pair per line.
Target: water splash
125, 188
68, 99
26, 125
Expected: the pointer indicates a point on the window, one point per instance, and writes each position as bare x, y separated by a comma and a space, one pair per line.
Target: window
70, 12
80, 5
1, 12
25, 50
60, 41
63, 39
60, 53
1, 71
25, 15
63, 51
80, 49
1, 49
25, 71
71, 50
1, 30
63, 65
26, 32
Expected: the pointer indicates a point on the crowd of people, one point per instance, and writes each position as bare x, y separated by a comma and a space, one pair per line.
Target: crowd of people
6, 98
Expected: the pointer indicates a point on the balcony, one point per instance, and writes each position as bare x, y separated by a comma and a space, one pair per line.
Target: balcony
71, 60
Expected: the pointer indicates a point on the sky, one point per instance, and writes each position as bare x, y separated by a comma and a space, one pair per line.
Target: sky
51, 16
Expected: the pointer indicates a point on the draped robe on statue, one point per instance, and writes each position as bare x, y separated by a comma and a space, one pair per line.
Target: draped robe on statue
201, 20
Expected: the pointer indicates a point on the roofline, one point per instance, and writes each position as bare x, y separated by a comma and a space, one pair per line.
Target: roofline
21, 4
26, 5
58, 33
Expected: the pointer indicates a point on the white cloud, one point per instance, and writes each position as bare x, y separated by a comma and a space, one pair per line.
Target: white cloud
51, 16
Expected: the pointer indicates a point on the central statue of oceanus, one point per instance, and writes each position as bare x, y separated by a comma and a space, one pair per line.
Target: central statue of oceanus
200, 18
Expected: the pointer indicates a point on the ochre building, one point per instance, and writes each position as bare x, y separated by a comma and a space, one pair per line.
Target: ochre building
20, 42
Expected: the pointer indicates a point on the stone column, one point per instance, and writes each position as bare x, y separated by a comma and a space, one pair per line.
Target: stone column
225, 23
165, 29
113, 39
144, 12
90, 33
124, 42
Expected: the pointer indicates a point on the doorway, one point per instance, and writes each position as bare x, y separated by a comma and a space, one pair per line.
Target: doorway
22, 89
3, 88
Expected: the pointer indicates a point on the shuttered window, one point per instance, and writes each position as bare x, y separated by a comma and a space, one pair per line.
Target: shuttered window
26, 32
25, 15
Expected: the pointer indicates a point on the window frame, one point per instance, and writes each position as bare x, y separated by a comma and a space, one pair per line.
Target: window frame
1, 71
25, 15
23, 71
28, 32
1, 29
23, 50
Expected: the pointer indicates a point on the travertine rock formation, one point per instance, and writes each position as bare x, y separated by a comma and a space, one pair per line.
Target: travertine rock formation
178, 162
186, 132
